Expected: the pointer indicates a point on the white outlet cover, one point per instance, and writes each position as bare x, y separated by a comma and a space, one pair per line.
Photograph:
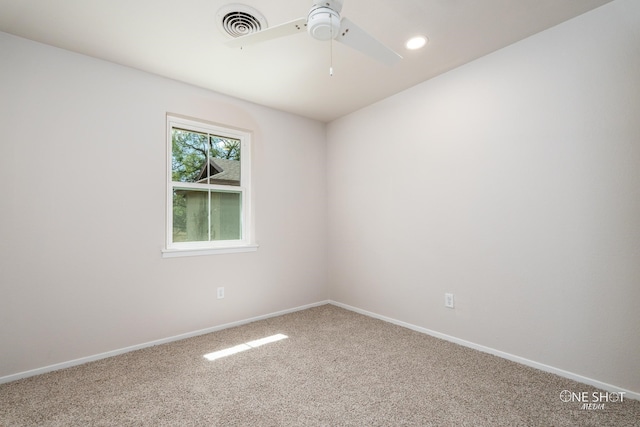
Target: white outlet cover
448, 300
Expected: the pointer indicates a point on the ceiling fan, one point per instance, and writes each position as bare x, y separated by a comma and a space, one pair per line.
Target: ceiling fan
324, 23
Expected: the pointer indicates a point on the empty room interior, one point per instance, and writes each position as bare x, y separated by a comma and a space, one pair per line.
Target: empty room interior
481, 192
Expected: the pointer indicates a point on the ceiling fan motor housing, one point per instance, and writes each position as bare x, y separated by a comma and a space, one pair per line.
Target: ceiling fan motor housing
323, 23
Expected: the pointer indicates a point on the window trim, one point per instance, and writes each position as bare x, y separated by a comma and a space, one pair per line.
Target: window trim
246, 244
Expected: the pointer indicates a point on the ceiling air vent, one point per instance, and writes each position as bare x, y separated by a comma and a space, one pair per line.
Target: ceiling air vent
237, 20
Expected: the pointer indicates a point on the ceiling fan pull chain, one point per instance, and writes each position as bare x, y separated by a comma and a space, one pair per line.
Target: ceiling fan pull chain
331, 48
331, 58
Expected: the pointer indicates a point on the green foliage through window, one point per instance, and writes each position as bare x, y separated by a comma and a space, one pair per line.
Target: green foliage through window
190, 151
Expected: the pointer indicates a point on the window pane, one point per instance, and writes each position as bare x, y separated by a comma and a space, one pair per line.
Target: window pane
225, 216
200, 215
190, 151
224, 161
188, 155
225, 148
190, 219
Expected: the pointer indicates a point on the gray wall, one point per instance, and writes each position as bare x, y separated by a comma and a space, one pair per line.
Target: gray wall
512, 182
83, 165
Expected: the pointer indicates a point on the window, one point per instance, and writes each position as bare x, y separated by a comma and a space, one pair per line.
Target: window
208, 190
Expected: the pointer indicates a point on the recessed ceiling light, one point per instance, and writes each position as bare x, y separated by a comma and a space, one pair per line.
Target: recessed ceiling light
416, 42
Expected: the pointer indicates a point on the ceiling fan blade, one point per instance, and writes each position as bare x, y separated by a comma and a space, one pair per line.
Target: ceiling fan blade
270, 33
358, 39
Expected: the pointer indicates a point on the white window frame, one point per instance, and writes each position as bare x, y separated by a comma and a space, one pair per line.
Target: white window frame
246, 244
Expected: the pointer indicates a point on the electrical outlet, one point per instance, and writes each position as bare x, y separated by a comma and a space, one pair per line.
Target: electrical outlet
448, 300
220, 292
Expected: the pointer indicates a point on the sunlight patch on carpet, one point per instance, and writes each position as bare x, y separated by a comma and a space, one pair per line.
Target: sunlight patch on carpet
244, 347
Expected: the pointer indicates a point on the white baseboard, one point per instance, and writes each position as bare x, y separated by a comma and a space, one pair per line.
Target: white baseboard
566, 374
546, 368
87, 359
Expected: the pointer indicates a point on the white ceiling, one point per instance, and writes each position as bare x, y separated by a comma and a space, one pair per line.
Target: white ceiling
181, 39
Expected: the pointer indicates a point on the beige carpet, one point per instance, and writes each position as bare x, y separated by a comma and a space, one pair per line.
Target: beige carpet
336, 368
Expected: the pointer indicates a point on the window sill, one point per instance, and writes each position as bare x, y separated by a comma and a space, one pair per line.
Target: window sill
175, 253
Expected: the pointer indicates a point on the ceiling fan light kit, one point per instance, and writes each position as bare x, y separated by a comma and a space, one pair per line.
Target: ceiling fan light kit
324, 23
